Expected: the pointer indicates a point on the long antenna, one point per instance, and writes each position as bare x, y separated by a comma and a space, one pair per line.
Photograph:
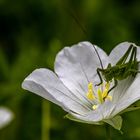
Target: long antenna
71, 12
98, 56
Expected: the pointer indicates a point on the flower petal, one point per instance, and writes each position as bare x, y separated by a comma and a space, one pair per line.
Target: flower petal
93, 116
76, 67
106, 109
120, 50
46, 84
118, 92
131, 95
71, 117
101, 113
6, 116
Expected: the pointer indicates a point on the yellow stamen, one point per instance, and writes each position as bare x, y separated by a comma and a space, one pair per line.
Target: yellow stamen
90, 86
105, 91
109, 97
90, 94
107, 86
100, 98
94, 107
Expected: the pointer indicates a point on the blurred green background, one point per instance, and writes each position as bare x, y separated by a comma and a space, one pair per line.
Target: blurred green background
31, 34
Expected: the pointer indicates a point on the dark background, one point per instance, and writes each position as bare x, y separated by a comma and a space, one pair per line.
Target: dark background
31, 33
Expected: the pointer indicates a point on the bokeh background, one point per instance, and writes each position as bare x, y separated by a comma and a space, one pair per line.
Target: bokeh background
31, 33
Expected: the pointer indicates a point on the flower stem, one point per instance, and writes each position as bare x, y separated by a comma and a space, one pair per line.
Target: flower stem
108, 132
45, 120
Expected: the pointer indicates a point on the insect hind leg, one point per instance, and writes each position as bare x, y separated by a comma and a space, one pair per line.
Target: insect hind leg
133, 55
126, 55
115, 84
134, 71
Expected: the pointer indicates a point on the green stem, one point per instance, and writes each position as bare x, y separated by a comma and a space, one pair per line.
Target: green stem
45, 120
108, 132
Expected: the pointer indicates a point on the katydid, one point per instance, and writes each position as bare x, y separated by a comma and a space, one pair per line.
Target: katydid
122, 69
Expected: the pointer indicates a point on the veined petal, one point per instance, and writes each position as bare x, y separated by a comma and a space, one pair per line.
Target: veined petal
131, 95
76, 67
118, 93
71, 117
5, 116
121, 89
46, 84
120, 50
106, 109
97, 115
93, 116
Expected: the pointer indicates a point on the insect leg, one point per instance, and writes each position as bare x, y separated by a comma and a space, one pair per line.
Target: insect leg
101, 80
134, 71
132, 61
131, 66
133, 55
123, 59
136, 63
115, 84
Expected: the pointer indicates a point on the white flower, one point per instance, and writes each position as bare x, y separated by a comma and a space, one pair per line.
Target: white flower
6, 116
72, 85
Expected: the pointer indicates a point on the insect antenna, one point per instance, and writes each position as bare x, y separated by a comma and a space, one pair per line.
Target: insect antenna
98, 57
73, 14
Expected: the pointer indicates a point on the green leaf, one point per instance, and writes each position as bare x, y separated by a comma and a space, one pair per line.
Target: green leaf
115, 122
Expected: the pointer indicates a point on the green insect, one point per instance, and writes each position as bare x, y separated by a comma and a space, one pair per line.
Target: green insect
122, 69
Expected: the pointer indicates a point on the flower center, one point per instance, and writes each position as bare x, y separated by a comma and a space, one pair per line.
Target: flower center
100, 95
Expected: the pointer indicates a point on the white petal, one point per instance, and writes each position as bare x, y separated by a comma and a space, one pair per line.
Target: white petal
131, 95
101, 113
106, 109
71, 117
120, 90
76, 67
93, 117
117, 93
46, 84
120, 50
5, 116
